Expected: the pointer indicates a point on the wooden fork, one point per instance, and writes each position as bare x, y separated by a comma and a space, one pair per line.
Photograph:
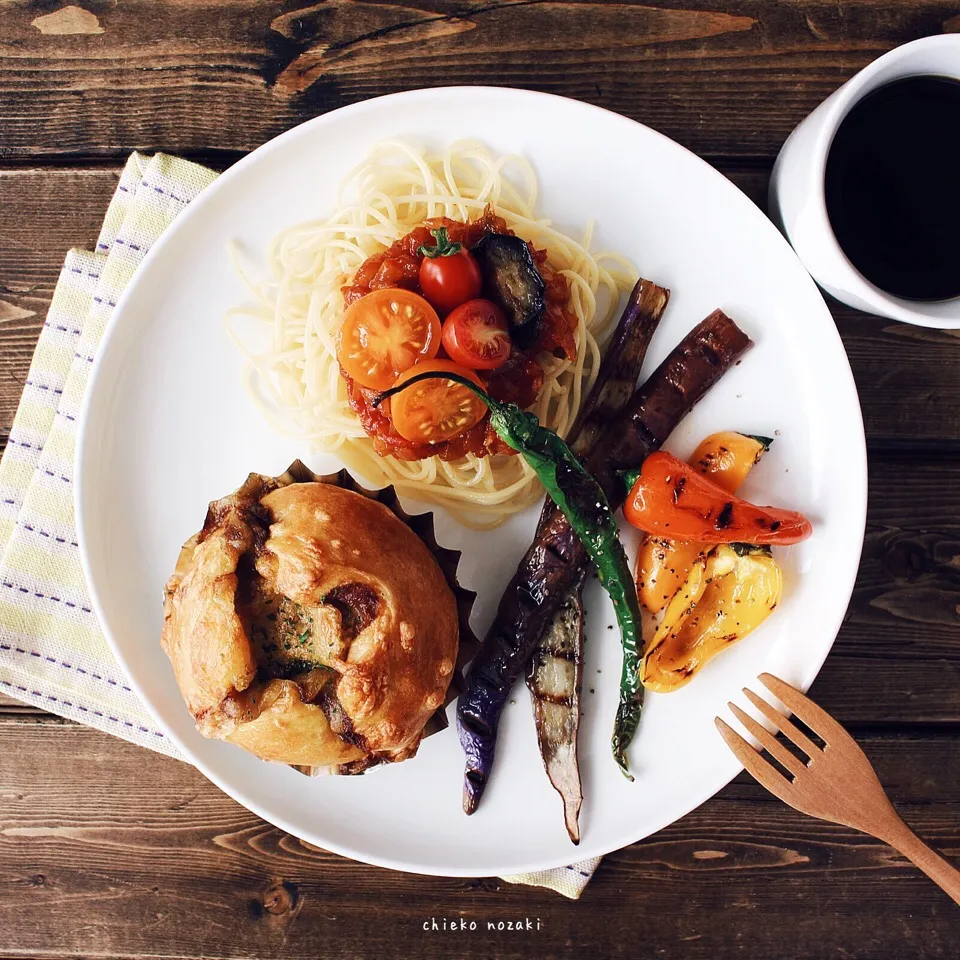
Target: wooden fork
837, 783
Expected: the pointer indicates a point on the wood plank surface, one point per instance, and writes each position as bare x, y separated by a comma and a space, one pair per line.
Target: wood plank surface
112, 851
722, 77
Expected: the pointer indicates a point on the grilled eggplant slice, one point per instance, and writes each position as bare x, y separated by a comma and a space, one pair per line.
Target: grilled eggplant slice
511, 280
617, 379
554, 677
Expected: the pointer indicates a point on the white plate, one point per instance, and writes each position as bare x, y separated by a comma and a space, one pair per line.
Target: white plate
168, 427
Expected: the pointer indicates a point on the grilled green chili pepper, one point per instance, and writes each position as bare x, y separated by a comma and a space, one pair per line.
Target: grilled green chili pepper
584, 504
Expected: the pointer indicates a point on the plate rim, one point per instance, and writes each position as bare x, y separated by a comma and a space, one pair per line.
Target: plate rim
85, 444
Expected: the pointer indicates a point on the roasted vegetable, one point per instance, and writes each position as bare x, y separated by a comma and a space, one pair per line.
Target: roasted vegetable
384, 334
616, 381
554, 678
512, 281
662, 567
556, 558
437, 410
727, 457
584, 504
475, 335
557, 660
449, 275
727, 594
663, 564
671, 499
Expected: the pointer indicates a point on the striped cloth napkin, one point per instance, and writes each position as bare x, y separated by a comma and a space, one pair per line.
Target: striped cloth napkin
52, 652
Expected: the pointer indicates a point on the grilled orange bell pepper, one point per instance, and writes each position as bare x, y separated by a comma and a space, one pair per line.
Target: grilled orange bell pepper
664, 564
727, 594
672, 499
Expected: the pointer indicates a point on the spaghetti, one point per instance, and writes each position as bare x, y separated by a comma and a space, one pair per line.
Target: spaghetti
292, 367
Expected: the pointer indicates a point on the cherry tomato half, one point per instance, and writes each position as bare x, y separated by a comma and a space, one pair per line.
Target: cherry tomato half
449, 275
475, 335
385, 333
436, 410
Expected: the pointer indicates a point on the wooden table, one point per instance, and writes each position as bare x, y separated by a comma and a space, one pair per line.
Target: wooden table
108, 850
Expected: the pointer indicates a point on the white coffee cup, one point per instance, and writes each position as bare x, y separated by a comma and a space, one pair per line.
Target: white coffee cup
797, 200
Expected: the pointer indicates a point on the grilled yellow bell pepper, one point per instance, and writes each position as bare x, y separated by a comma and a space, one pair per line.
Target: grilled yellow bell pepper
727, 594
662, 564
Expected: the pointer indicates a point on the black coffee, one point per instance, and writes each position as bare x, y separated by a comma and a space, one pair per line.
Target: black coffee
893, 187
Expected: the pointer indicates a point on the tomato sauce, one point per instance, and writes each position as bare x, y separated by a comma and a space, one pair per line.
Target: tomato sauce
518, 381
